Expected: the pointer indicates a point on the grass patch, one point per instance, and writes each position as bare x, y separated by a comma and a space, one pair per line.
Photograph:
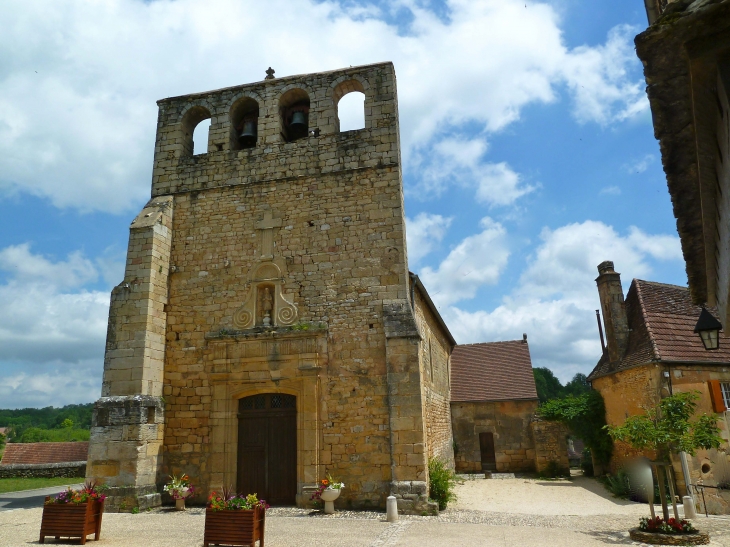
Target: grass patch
15, 485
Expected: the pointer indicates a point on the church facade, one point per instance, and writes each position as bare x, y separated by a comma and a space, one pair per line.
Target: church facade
267, 331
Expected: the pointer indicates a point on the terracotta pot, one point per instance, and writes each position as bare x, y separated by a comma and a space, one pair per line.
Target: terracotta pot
71, 520
234, 527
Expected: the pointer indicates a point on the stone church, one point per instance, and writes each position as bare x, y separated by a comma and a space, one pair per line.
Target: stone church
267, 330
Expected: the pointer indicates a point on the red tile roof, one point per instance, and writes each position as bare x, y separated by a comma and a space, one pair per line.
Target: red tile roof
661, 320
25, 453
493, 371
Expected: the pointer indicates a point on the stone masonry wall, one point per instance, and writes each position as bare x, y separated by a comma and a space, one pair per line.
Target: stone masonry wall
43, 470
508, 421
551, 444
435, 368
320, 221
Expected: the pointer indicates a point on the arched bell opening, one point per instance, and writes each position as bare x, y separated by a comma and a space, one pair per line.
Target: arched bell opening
349, 98
294, 114
192, 118
244, 123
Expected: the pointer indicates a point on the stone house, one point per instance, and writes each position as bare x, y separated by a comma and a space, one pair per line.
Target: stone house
493, 404
651, 352
267, 330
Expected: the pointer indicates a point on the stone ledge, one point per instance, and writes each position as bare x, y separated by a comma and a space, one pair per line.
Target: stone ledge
699, 538
43, 470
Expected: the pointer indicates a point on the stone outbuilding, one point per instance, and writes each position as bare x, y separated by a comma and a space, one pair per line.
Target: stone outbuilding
651, 352
493, 402
267, 330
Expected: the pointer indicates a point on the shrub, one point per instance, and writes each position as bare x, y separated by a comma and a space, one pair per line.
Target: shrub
553, 471
618, 484
441, 483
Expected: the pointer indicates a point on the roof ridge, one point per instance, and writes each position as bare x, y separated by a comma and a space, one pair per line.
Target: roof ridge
645, 315
497, 342
662, 284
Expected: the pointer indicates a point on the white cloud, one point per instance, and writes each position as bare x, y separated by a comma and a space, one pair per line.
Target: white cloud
477, 261
641, 165
459, 162
52, 331
610, 191
556, 297
423, 234
80, 79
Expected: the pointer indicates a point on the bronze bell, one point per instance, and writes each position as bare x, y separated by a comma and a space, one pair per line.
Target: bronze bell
298, 121
249, 131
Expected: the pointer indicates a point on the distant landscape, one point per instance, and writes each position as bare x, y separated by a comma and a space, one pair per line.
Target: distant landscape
31, 425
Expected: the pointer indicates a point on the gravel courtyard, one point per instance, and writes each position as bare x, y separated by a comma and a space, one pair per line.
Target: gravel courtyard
499, 513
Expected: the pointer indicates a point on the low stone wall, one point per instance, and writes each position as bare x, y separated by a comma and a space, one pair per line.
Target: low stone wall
43, 470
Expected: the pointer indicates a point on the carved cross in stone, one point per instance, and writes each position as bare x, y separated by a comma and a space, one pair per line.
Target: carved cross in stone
267, 226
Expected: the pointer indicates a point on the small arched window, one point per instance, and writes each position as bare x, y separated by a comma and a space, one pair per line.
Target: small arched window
244, 123
349, 97
195, 133
294, 114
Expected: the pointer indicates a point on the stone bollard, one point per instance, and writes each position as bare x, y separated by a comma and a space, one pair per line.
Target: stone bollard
391, 509
689, 507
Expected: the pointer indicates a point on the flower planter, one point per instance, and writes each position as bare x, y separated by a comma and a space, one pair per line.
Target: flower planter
234, 527
71, 520
658, 538
328, 496
180, 504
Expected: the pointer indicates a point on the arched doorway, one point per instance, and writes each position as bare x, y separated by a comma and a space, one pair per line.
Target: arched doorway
267, 447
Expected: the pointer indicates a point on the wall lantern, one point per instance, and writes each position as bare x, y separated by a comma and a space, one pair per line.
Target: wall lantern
709, 330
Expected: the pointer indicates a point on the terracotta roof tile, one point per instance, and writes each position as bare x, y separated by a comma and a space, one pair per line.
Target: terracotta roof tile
661, 320
493, 371
45, 452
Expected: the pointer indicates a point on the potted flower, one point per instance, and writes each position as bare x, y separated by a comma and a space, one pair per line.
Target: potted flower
328, 491
656, 530
179, 489
73, 514
234, 519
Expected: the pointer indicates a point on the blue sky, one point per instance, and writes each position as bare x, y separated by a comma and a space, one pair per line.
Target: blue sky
528, 158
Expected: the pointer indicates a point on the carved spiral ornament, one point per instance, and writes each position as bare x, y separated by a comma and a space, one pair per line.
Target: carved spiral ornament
242, 318
286, 315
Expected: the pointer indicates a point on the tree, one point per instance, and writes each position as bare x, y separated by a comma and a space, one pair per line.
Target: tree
667, 429
547, 385
585, 416
67, 423
579, 384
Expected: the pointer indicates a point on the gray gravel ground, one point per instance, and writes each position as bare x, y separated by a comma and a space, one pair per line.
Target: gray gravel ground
300, 527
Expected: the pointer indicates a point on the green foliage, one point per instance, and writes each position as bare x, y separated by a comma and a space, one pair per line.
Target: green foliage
38, 435
3, 440
19, 420
549, 387
585, 416
441, 483
67, 423
618, 484
668, 428
554, 471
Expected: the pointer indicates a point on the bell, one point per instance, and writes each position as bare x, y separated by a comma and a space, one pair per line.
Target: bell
298, 121
248, 132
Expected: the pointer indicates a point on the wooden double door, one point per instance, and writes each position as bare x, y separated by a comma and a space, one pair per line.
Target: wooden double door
267, 447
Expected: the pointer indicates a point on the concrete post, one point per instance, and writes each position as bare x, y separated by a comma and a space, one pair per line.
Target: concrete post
391, 509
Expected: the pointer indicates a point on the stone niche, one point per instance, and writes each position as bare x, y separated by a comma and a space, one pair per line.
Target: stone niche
266, 305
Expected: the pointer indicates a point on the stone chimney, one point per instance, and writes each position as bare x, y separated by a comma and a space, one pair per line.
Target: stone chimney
614, 310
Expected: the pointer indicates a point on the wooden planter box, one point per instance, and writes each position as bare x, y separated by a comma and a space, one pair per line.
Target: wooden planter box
234, 527
70, 520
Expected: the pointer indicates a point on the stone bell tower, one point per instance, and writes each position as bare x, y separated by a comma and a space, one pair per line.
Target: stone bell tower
266, 331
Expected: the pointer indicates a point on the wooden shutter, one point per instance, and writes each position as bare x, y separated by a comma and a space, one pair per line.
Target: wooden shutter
718, 405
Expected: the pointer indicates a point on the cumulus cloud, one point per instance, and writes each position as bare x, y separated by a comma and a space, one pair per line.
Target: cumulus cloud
423, 234
80, 79
460, 162
477, 261
610, 191
639, 166
555, 299
52, 330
